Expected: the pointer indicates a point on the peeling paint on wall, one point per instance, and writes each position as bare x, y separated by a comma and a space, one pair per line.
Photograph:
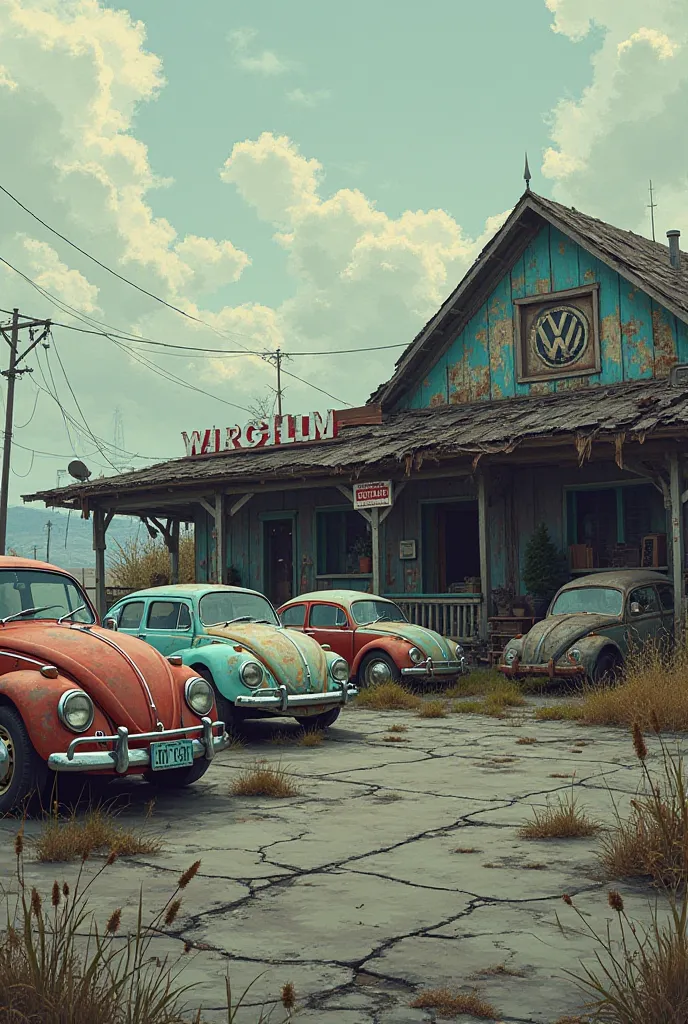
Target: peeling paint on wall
665, 346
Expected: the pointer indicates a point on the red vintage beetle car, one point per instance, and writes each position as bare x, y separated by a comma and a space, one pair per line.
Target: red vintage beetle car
374, 636
75, 698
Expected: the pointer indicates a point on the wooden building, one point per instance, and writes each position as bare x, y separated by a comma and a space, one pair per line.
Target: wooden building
552, 385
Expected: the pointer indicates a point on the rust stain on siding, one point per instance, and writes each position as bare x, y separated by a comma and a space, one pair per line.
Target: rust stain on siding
562, 248
542, 387
501, 349
468, 383
610, 338
589, 275
542, 286
665, 349
437, 399
518, 283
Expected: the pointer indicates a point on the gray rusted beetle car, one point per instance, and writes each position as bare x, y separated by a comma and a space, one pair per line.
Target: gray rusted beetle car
591, 625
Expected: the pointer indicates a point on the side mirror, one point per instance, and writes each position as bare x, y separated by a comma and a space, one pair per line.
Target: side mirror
110, 623
326, 647
635, 608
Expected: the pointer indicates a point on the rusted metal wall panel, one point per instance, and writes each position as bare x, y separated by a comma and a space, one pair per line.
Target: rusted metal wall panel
681, 340
468, 362
637, 346
500, 326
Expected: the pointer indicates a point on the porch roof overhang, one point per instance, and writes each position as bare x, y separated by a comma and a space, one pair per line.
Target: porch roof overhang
515, 429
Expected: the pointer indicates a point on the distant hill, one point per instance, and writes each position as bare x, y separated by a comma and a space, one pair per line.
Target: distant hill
71, 537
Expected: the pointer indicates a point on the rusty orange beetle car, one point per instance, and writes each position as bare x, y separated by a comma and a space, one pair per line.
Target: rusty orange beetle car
73, 698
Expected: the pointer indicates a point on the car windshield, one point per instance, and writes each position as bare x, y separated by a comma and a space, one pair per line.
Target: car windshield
50, 593
231, 605
365, 612
596, 600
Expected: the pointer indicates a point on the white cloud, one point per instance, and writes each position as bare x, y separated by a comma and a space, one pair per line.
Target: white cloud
308, 99
47, 269
262, 62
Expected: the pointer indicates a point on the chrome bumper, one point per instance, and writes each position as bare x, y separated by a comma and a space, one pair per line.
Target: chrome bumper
122, 758
429, 670
280, 699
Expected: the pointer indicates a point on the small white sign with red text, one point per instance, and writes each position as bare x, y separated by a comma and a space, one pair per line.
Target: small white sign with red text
373, 495
275, 430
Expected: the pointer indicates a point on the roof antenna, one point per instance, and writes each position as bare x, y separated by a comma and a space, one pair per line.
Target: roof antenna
652, 207
526, 175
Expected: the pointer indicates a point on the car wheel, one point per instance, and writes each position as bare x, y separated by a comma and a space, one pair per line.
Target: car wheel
226, 712
607, 667
377, 668
24, 773
177, 778
315, 723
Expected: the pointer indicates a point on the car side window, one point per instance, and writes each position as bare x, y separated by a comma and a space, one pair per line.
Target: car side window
168, 615
646, 597
295, 615
130, 615
326, 616
666, 596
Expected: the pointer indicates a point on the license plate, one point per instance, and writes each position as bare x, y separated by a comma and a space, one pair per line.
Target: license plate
173, 754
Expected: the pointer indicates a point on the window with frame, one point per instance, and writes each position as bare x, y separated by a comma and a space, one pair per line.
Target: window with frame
613, 521
168, 615
646, 597
130, 615
343, 537
295, 615
326, 616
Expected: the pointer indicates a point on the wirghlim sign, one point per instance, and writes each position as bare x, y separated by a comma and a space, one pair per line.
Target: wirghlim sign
274, 430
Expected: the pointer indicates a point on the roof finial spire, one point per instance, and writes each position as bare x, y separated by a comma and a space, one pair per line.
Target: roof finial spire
526, 174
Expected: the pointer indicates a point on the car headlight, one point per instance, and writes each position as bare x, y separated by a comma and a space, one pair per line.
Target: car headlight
510, 655
340, 670
75, 709
251, 673
459, 652
574, 655
415, 655
199, 695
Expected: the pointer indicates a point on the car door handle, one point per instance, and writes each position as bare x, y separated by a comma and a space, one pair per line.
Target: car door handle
141, 636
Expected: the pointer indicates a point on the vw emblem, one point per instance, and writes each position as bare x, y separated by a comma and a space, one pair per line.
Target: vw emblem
560, 335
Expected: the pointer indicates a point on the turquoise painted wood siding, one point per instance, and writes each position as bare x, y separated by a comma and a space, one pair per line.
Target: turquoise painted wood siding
638, 337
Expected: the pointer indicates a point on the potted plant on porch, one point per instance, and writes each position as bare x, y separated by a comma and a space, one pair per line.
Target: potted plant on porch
363, 550
503, 598
544, 570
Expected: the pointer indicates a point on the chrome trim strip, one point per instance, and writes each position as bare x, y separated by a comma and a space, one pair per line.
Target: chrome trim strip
130, 662
303, 657
281, 700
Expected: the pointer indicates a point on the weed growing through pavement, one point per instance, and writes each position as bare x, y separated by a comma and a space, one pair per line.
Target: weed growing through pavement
310, 738
398, 728
525, 741
559, 713
433, 709
561, 820
562, 775
388, 697
466, 849
262, 780
395, 738
75, 837
450, 1005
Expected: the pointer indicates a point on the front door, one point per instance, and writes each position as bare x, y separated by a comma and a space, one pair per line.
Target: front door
643, 616
168, 626
278, 549
328, 624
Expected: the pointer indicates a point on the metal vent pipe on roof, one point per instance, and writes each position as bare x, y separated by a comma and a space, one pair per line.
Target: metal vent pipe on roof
674, 250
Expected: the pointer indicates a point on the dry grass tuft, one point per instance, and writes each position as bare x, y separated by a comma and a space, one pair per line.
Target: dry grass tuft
498, 971
394, 738
450, 1005
388, 697
534, 867
310, 738
433, 709
653, 690
559, 713
466, 849
563, 820
398, 728
562, 775
499, 695
262, 780
526, 741
76, 838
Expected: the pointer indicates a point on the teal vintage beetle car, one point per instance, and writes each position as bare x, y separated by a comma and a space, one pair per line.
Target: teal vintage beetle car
232, 637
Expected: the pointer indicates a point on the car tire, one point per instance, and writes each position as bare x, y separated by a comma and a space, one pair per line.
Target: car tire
226, 712
376, 668
28, 775
607, 667
316, 723
178, 778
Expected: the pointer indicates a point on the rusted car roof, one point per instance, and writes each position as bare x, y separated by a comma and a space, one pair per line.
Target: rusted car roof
619, 579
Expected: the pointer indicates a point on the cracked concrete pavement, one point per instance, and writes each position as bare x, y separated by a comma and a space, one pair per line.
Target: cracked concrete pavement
355, 890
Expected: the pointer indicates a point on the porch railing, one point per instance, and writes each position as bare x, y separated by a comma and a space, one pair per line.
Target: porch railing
451, 615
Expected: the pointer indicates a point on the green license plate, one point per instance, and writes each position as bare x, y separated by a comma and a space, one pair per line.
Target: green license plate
173, 754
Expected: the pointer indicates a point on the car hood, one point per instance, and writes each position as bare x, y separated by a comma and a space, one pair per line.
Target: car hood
549, 636
434, 646
121, 673
294, 659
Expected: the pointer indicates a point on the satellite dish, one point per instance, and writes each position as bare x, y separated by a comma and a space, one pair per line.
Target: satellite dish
78, 470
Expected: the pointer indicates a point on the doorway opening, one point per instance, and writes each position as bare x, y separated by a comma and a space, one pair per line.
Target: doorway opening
278, 567
451, 546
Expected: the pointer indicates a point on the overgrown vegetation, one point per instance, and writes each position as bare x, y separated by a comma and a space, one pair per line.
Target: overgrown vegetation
559, 713
262, 780
653, 688
561, 820
77, 837
450, 1005
50, 975
433, 709
498, 695
145, 562
388, 697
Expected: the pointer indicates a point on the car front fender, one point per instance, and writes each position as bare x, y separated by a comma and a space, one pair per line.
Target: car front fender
395, 647
591, 647
223, 662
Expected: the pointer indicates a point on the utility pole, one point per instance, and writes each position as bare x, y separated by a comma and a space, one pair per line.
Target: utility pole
652, 207
48, 527
276, 357
13, 371
35, 552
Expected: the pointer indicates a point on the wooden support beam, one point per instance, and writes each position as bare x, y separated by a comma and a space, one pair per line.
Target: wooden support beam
240, 503
101, 521
375, 535
210, 509
484, 544
173, 547
677, 543
220, 537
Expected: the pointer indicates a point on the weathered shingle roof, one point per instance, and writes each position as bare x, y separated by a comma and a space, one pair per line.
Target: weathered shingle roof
635, 409
643, 262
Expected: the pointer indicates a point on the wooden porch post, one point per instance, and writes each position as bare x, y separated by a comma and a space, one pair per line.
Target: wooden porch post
484, 543
677, 556
220, 537
101, 521
173, 528
375, 537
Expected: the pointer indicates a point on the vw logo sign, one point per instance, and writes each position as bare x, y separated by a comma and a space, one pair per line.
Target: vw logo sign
560, 335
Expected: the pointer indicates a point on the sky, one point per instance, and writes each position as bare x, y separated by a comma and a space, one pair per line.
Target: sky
306, 175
